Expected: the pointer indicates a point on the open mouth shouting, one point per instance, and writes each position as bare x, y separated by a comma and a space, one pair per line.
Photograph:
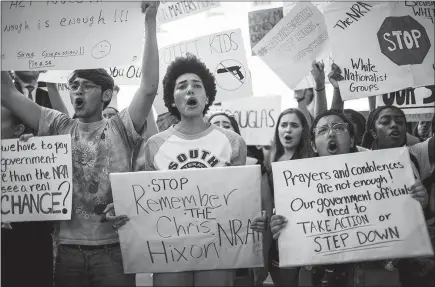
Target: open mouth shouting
79, 103
332, 147
191, 103
287, 138
395, 134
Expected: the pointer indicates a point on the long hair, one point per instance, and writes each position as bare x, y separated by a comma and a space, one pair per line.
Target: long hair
339, 114
368, 141
303, 149
359, 120
232, 120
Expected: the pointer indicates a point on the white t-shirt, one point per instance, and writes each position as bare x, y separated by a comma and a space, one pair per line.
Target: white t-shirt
214, 147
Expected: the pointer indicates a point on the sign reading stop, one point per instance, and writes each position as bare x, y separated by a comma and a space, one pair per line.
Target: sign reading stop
403, 40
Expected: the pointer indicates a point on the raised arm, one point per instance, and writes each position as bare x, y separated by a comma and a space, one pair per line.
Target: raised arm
302, 105
24, 108
143, 99
55, 99
335, 76
320, 103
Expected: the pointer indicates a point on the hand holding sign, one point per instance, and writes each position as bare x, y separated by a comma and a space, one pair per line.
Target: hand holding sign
109, 215
277, 222
419, 193
149, 8
335, 75
318, 73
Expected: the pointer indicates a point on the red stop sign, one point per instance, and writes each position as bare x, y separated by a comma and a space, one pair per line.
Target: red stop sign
403, 40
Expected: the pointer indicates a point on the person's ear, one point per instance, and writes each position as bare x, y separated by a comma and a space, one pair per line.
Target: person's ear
313, 146
373, 134
106, 96
19, 130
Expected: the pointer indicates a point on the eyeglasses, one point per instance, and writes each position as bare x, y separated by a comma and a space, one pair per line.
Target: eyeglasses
338, 128
86, 87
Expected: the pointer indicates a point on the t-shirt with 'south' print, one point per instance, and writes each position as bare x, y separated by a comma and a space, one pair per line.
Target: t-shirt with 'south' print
214, 147
97, 148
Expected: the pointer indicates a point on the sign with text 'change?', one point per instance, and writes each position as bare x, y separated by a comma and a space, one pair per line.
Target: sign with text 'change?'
189, 219
36, 179
412, 101
291, 46
349, 208
380, 47
173, 10
256, 117
60, 35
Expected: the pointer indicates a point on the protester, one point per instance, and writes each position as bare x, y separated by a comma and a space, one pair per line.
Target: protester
290, 142
423, 130
331, 134
386, 128
25, 245
109, 112
89, 251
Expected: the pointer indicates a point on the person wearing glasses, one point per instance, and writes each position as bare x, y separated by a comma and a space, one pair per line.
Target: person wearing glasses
333, 133
89, 252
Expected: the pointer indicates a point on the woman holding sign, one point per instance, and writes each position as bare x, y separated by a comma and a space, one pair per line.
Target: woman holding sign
332, 134
291, 141
386, 128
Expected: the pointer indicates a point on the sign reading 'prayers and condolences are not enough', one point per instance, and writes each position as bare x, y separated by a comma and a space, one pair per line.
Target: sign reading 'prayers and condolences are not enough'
60, 35
349, 208
189, 219
36, 179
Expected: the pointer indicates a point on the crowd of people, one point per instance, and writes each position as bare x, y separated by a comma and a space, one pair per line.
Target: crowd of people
104, 140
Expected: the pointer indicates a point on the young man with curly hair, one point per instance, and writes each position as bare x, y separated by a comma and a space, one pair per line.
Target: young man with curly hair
189, 89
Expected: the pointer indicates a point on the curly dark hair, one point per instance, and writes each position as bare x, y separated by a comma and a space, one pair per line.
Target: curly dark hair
359, 120
368, 141
181, 66
339, 114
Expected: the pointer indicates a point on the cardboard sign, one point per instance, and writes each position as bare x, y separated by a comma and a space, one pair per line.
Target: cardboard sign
223, 53
172, 10
189, 219
256, 117
411, 101
59, 35
298, 39
349, 208
380, 47
36, 179
261, 22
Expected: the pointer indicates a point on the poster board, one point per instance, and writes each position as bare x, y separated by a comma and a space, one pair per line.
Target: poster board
261, 22
349, 208
59, 35
380, 47
419, 101
298, 39
36, 179
173, 10
257, 117
189, 219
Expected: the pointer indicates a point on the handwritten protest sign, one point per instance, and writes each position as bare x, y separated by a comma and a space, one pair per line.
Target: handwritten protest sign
298, 39
261, 22
58, 35
174, 10
349, 208
287, 6
256, 117
411, 101
189, 219
380, 47
223, 53
36, 179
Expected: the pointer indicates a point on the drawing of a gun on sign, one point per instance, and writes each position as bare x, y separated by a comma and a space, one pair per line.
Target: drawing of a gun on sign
235, 70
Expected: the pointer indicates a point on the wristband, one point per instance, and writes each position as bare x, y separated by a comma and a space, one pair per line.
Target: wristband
319, 90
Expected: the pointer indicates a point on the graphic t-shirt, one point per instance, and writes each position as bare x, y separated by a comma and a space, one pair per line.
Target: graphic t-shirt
98, 149
214, 147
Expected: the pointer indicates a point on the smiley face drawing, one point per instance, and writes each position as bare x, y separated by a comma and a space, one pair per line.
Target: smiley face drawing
101, 50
